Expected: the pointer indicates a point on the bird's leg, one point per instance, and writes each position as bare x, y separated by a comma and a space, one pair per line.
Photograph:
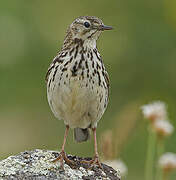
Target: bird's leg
95, 160
96, 156
62, 156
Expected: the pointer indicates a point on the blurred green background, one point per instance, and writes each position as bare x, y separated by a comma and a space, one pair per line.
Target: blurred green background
140, 56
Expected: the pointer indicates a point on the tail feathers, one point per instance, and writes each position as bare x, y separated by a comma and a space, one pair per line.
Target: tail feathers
81, 135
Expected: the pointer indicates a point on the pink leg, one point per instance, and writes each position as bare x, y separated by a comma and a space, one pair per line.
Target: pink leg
95, 160
95, 141
96, 157
65, 137
62, 155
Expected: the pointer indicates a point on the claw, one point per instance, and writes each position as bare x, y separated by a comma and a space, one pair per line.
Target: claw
94, 161
62, 157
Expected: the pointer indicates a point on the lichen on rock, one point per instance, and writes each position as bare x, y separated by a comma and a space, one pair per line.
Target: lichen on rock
37, 164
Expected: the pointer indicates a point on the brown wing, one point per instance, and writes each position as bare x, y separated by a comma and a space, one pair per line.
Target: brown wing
58, 59
48, 72
107, 79
106, 76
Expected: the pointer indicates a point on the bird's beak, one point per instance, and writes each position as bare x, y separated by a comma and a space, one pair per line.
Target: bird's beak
104, 27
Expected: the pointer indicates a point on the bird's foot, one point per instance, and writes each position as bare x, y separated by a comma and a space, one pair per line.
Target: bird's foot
62, 157
94, 161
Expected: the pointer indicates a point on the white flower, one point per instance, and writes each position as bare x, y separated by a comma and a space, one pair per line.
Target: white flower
154, 111
168, 161
163, 127
118, 165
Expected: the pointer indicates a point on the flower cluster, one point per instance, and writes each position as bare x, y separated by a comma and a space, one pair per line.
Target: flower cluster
163, 128
168, 161
157, 114
154, 111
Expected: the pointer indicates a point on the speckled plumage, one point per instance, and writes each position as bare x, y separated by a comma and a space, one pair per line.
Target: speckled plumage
77, 81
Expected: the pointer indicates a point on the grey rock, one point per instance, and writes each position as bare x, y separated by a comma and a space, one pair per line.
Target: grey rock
38, 165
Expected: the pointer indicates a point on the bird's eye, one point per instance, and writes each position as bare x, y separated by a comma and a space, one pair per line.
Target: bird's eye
87, 24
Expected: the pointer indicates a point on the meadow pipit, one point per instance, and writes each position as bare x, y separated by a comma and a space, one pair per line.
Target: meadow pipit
78, 83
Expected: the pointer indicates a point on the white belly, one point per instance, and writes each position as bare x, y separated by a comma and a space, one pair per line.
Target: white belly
76, 104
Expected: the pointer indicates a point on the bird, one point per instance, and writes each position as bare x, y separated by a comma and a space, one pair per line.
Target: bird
78, 83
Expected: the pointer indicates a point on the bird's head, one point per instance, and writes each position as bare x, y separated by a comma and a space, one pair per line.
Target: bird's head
86, 28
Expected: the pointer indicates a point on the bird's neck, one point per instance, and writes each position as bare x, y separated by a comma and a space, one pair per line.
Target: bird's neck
90, 43
70, 42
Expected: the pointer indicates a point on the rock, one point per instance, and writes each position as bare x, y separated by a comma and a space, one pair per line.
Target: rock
38, 165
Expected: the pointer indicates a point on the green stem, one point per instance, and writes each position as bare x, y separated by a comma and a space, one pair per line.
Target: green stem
165, 176
160, 150
150, 155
